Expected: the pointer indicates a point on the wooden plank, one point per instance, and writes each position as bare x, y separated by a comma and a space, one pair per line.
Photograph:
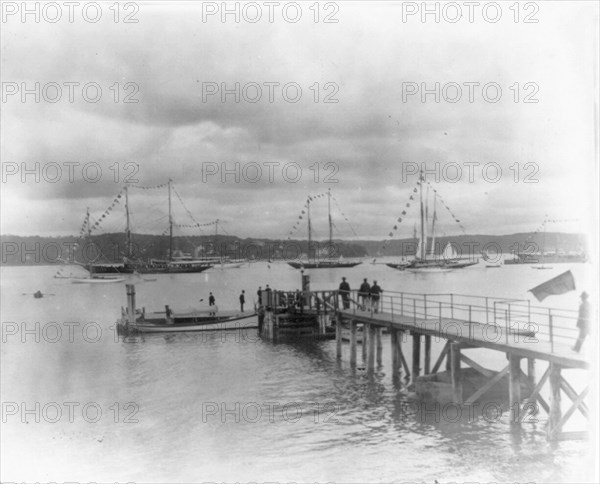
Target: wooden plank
443, 354
488, 385
455, 374
571, 411
572, 394
484, 371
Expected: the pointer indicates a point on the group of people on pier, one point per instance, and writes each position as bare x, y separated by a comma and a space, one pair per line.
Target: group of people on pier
368, 296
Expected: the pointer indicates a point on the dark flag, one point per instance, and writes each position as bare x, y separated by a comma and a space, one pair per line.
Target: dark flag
558, 285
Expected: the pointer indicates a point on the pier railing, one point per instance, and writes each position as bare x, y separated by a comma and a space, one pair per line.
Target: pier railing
508, 316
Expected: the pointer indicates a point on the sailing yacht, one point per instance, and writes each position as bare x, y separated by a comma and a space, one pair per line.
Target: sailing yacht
170, 265
326, 263
426, 259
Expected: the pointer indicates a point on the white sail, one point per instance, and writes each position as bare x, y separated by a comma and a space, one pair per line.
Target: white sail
450, 252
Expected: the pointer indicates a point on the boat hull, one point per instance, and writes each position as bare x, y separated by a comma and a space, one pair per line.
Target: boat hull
190, 323
96, 280
323, 264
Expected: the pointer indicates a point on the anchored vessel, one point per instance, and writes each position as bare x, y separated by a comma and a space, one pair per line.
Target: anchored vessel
426, 260
153, 266
134, 320
326, 263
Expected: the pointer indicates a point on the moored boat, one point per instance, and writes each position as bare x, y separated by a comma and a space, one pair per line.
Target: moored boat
96, 280
196, 320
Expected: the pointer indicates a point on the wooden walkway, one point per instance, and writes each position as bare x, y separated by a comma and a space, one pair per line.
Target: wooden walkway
522, 343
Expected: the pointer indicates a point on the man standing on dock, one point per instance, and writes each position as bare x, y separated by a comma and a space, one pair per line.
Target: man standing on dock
375, 296
583, 321
345, 293
363, 293
211, 301
259, 294
242, 300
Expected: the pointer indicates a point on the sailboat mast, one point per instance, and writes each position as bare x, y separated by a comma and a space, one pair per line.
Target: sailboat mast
89, 234
309, 227
330, 224
128, 229
544, 240
423, 241
170, 225
432, 249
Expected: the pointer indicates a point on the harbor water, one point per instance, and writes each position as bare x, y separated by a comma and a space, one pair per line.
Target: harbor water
83, 404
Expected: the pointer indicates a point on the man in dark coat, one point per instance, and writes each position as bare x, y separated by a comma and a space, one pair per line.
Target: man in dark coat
375, 296
364, 292
211, 301
242, 300
345, 293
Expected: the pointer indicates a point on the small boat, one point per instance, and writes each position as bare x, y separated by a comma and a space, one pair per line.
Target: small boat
96, 280
428, 270
195, 320
399, 266
324, 264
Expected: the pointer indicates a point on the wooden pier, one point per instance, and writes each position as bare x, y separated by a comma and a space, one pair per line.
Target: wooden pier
513, 327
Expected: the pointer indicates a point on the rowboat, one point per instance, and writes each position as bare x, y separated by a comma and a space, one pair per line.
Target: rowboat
96, 280
195, 320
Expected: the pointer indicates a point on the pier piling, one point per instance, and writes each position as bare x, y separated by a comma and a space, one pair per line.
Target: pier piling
416, 356
427, 354
372, 330
514, 387
455, 375
353, 330
338, 336
379, 347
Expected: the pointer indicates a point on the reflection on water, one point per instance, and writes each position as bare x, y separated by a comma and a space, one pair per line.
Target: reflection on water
226, 406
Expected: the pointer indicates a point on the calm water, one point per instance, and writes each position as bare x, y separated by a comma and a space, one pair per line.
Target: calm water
231, 407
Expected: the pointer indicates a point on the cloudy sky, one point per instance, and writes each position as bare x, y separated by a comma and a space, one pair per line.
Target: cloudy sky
172, 60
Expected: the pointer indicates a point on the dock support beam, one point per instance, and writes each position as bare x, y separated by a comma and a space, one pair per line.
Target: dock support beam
338, 337
365, 338
531, 371
353, 343
379, 347
555, 412
455, 376
416, 356
427, 369
514, 388
395, 356
371, 353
